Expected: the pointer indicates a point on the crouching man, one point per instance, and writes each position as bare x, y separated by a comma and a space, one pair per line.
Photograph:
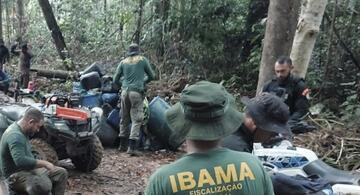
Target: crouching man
265, 121
206, 113
24, 173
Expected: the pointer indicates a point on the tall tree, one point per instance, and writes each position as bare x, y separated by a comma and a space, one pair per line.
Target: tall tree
1, 21
139, 22
54, 29
280, 29
105, 18
20, 15
312, 12
162, 8
7, 13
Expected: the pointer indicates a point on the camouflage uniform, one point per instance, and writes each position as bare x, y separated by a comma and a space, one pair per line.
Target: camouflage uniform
130, 74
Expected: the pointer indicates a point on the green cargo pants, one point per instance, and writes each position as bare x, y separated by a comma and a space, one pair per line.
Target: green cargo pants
131, 110
39, 181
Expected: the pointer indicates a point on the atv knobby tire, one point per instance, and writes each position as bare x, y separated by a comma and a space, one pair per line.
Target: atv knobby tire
43, 151
92, 158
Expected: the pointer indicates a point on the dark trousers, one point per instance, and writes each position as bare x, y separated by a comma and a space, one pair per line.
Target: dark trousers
39, 181
24, 79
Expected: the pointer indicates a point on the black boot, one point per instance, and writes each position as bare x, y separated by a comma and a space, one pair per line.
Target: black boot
133, 146
124, 142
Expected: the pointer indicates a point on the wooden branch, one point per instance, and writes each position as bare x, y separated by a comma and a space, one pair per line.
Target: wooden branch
56, 74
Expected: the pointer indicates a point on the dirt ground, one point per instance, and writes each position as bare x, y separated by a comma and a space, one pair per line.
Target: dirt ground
118, 174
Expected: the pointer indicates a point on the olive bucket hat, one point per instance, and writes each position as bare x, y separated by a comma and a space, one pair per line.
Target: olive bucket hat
206, 111
134, 49
269, 112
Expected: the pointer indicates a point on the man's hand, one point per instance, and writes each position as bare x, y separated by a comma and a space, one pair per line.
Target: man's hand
44, 164
49, 166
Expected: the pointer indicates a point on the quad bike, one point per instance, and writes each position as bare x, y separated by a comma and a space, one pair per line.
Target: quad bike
289, 160
66, 133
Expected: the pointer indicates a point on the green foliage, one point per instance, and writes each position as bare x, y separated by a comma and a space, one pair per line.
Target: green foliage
351, 108
342, 74
202, 39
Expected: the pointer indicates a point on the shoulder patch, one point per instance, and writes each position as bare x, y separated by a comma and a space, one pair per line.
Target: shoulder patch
133, 59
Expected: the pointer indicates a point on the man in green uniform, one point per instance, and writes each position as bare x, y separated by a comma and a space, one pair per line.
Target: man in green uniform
132, 74
206, 113
24, 173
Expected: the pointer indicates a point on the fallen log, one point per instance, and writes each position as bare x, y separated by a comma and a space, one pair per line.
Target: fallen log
60, 74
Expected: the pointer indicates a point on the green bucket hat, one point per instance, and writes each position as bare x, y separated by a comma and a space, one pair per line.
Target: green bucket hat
206, 111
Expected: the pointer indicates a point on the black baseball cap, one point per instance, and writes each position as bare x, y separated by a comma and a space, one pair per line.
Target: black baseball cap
269, 112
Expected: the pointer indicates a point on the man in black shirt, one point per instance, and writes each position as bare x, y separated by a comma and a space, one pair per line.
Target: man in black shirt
290, 88
4, 54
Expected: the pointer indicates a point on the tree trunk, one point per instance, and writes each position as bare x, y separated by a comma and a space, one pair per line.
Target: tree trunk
7, 13
105, 18
20, 15
161, 14
60, 74
330, 44
312, 12
14, 25
280, 29
182, 8
139, 22
54, 29
1, 21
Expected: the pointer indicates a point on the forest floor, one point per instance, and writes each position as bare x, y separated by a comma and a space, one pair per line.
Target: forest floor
118, 173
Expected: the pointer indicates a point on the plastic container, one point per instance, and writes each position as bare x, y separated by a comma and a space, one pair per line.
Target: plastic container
114, 118
90, 100
106, 133
77, 87
110, 98
346, 189
157, 124
108, 86
90, 81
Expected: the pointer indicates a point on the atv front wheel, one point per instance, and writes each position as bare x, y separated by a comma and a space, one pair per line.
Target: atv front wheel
92, 158
43, 151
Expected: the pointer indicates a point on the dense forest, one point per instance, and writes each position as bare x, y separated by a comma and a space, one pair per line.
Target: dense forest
210, 40
235, 42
